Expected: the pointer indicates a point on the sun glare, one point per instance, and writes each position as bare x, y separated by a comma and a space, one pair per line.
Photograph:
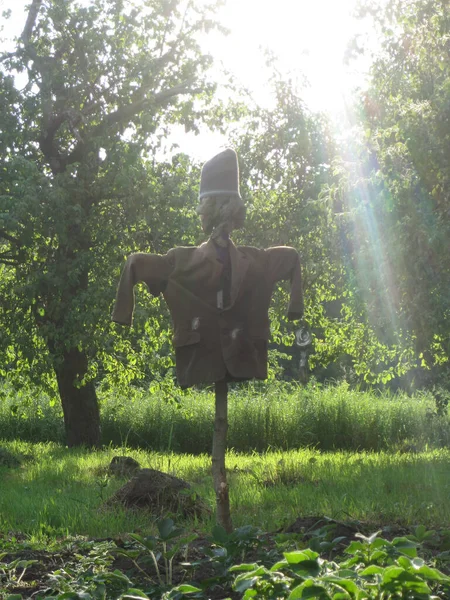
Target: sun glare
309, 38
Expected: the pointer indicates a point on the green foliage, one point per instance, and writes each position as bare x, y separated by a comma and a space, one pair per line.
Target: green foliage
80, 187
376, 568
370, 567
391, 199
162, 548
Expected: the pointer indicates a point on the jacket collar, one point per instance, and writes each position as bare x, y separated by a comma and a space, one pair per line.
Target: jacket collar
239, 264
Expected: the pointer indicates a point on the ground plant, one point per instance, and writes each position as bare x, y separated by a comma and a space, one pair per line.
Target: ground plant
356, 566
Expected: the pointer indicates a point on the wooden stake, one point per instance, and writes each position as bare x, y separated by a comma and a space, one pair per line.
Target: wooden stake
218, 456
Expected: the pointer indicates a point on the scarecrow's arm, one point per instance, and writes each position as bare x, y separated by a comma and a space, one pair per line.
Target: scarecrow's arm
283, 262
152, 269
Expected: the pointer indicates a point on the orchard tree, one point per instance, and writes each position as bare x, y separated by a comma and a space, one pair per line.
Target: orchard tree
408, 115
84, 97
395, 188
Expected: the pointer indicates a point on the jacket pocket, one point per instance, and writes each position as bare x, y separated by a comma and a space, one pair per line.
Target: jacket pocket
185, 337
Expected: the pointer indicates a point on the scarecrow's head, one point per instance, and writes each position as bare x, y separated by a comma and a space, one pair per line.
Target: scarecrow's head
221, 205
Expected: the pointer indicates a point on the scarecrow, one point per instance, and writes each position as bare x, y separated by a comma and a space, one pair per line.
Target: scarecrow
218, 295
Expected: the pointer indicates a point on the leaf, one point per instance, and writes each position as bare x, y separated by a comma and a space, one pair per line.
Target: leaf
432, 574
220, 536
185, 588
134, 594
165, 528
405, 546
371, 570
354, 547
244, 567
347, 584
396, 577
308, 589
299, 556
279, 565
244, 584
148, 542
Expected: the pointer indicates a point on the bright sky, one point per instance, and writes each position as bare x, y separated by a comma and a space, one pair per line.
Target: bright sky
309, 37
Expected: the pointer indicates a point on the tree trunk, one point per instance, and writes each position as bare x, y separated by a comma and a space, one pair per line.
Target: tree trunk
80, 405
218, 457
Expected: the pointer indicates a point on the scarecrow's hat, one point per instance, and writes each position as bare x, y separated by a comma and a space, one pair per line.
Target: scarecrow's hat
220, 175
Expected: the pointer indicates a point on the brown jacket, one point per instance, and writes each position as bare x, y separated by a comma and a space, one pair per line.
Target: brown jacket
214, 343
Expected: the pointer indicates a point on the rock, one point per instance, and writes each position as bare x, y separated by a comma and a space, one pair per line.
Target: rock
123, 466
161, 493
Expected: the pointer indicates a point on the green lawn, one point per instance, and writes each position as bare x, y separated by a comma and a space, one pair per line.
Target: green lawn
59, 492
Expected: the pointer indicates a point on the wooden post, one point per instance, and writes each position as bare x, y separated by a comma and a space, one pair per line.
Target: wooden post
218, 456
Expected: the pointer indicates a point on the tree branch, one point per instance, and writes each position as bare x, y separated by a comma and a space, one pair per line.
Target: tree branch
9, 237
123, 114
31, 21
126, 112
6, 56
7, 258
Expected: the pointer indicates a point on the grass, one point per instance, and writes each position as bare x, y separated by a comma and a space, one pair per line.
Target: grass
276, 416
58, 492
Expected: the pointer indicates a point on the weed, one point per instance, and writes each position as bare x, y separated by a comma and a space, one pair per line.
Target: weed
162, 549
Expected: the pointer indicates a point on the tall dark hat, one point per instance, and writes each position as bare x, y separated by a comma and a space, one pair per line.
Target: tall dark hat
220, 175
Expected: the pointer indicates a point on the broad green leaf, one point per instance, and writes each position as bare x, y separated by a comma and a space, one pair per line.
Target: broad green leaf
244, 567
244, 584
165, 528
309, 589
134, 594
187, 589
299, 556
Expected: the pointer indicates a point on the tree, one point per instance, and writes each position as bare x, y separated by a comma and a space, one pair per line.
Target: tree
399, 191
100, 82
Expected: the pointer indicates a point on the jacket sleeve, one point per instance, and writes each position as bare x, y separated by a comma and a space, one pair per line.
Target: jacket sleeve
152, 269
283, 262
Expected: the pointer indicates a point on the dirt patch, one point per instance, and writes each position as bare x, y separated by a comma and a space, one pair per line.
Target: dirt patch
161, 493
309, 527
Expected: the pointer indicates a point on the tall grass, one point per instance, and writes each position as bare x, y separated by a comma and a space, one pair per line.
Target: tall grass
274, 416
